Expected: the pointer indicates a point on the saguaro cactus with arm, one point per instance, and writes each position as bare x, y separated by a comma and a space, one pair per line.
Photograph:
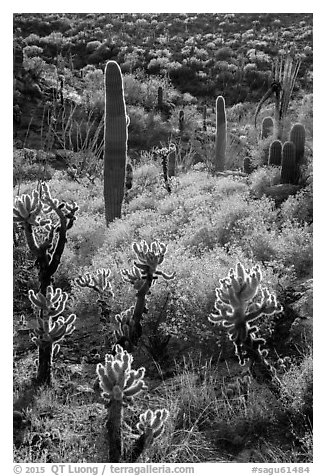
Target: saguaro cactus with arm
116, 136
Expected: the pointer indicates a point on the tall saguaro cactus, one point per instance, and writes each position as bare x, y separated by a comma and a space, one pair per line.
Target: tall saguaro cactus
220, 137
116, 136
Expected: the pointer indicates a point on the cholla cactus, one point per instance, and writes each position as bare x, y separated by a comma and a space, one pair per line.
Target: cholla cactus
151, 423
99, 281
239, 388
120, 384
28, 209
237, 311
29, 212
143, 274
117, 380
151, 427
168, 158
125, 329
149, 258
51, 328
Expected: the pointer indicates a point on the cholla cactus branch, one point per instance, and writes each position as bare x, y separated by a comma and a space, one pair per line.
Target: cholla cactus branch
99, 281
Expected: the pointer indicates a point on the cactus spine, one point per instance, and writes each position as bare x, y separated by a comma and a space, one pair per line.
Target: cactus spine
298, 137
267, 127
220, 137
116, 136
289, 169
275, 153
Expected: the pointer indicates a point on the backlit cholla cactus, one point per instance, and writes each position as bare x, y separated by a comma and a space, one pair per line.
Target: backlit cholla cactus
46, 237
236, 311
124, 328
120, 384
149, 258
52, 327
143, 274
99, 281
151, 427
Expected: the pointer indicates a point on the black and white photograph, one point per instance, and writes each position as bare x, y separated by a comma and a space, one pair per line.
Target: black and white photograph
162, 240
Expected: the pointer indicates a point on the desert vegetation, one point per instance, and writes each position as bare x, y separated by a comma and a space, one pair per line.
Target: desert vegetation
162, 229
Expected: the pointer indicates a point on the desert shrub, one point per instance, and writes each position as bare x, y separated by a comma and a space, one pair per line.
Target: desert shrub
146, 129
295, 248
305, 114
264, 177
142, 90
299, 207
297, 386
145, 177
87, 195
30, 165
86, 237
